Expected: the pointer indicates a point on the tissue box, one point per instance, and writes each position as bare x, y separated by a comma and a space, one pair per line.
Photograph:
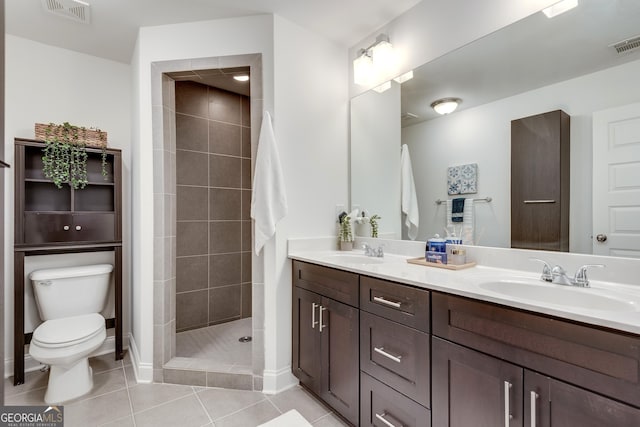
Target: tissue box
437, 257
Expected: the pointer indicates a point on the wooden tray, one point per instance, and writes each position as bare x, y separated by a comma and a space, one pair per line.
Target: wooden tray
422, 261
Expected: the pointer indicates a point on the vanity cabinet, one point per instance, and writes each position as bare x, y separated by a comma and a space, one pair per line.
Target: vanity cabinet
488, 359
325, 335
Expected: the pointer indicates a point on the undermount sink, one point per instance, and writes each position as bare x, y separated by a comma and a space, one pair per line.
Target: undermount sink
354, 259
586, 298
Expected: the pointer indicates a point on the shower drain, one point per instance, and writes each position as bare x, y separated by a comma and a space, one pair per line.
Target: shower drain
245, 339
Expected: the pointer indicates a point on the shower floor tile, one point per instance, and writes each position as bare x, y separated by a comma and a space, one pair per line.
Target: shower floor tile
215, 347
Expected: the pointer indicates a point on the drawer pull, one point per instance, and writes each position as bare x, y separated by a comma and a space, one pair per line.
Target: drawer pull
322, 325
382, 418
534, 398
380, 350
507, 403
314, 322
383, 300
535, 202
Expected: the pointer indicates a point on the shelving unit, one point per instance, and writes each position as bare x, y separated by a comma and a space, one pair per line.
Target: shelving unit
49, 220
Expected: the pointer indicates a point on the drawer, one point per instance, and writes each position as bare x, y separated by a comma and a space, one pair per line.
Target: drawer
396, 355
382, 406
336, 284
400, 303
602, 360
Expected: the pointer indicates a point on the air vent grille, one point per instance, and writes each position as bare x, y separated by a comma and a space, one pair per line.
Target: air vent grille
625, 46
408, 116
73, 9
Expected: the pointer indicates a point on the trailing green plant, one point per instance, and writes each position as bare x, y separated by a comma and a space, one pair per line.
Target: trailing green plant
64, 157
374, 224
344, 233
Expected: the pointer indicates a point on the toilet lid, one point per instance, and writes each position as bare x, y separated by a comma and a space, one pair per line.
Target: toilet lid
68, 330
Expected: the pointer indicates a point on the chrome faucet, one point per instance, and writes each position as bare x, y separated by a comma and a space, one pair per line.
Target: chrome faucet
373, 252
558, 275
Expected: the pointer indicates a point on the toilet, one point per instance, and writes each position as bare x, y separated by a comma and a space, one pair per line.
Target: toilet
69, 301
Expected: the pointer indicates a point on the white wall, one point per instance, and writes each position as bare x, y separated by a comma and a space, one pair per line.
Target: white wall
434, 27
375, 157
48, 84
482, 135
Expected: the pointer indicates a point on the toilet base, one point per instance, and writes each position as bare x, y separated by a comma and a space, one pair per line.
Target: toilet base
69, 382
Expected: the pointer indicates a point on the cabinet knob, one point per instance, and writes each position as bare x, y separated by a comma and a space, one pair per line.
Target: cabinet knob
65, 228
78, 227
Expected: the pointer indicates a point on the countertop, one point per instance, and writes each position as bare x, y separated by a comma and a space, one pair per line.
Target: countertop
469, 283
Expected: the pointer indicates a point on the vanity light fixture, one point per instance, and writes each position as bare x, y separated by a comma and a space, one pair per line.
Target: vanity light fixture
560, 7
241, 77
372, 60
446, 105
404, 77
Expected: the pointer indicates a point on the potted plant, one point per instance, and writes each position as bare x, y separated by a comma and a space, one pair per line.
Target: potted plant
64, 158
345, 234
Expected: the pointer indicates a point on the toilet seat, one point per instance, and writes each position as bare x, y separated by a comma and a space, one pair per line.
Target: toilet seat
68, 331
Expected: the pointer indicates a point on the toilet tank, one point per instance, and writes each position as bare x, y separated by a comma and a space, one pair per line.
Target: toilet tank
71, 291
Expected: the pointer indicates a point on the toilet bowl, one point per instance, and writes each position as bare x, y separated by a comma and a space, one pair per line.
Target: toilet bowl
69, 301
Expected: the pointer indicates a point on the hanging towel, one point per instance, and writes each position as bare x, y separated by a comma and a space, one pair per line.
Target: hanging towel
409, 199
457, 209
268, 199
466, 229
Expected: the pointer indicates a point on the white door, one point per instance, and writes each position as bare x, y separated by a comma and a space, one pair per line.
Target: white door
616, 181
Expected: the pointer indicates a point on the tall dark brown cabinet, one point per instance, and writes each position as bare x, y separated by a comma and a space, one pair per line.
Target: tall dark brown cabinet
540, 182
2, 166
49, 220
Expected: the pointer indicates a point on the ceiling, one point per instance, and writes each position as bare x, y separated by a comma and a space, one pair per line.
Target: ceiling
529, 54
114, 24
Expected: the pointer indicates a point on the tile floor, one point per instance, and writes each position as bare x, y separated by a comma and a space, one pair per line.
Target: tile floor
215, 348
117, 400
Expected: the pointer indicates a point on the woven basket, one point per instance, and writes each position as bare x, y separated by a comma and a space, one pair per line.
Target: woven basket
89, 137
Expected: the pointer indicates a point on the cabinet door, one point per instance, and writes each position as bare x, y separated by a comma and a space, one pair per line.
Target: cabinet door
93, 227
47, 227
340, 368
549, 402
306, 338
473, 389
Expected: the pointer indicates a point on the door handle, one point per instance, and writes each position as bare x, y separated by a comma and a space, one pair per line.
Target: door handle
533, 202
601, 238
534, 398
507, 403
386, 422
381, 350
313, 314
322, 325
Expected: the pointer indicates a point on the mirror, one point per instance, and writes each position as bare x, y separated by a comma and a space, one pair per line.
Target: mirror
533, 66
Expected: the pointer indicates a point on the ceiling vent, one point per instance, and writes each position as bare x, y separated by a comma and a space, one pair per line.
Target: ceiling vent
408, 116
628, 45
77, 10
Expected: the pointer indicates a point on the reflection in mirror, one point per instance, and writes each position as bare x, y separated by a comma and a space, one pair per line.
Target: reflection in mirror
531, 67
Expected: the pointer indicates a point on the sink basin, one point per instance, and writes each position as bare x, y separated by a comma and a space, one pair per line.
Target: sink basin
586, 298
355, 259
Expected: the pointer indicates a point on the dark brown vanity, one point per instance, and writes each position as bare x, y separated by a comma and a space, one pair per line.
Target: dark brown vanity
431, 358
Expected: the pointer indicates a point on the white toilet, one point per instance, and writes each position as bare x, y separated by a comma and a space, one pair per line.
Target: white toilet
69, 301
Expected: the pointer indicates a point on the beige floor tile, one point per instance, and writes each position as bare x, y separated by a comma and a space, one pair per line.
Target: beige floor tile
32, 381
103, 409
301, 400
130, 376
33, 397
221, 402
185, 412
122, 422
104, 382
105, 362
145, 396
330, 420
252, 416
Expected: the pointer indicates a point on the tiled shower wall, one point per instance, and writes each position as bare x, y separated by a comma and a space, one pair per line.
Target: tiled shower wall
213, 179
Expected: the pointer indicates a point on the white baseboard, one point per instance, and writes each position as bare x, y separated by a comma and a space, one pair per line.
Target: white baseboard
30, 364
142, 371
278, 381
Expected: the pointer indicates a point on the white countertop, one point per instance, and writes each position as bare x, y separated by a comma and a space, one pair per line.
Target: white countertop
469, 283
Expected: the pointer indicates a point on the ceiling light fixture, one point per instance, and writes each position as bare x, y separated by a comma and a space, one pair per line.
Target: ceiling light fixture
241, 77
373, 60
446, 105
560, 7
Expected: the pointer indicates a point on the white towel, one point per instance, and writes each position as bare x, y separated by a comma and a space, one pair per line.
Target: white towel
465, 229
409, 198
269, 199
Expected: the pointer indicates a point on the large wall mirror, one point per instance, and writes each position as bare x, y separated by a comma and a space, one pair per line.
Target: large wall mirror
531, 67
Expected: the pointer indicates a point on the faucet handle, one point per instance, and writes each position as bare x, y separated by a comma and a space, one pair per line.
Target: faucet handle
581, 278
547, 276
